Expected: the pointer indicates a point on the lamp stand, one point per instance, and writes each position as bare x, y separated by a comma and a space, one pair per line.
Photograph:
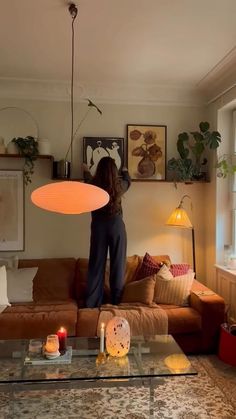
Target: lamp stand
193, 245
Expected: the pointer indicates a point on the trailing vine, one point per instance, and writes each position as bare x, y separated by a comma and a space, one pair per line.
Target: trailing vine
28, 148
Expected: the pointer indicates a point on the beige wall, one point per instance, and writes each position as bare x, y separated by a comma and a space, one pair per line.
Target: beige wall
146, 205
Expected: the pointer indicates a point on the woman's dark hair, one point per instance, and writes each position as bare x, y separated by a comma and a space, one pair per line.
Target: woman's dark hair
107, 178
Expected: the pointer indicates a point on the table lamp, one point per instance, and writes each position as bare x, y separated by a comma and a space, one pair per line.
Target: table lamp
179, 218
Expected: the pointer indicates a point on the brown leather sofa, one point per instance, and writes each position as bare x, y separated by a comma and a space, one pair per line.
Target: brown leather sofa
59, 299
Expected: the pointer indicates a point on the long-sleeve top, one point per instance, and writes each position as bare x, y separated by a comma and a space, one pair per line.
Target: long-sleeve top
104, 212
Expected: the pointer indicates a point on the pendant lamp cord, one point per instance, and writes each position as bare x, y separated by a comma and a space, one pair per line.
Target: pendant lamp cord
73, 11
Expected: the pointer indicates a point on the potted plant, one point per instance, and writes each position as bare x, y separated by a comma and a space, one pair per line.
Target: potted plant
28, 148
191, 149
226, 165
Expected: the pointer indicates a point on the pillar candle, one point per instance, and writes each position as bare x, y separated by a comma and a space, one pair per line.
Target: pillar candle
102, 335
62, 336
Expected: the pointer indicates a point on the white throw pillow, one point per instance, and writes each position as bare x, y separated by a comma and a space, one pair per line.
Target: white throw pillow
20, 284
175, 291
164, 273
3, 287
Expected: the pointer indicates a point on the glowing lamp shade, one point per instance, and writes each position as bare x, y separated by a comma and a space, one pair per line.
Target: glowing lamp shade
179, 218
117, 336
69, 197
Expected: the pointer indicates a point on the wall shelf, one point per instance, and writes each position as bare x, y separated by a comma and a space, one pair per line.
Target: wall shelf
51, 158
19, 156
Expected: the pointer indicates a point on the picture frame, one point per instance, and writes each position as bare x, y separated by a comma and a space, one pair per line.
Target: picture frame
11, 210
146, 152
94, 148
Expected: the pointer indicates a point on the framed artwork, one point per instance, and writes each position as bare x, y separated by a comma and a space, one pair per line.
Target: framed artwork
146, 151
11, 210
94, 148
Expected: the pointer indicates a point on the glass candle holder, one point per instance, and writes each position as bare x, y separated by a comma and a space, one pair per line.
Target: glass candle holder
52, 344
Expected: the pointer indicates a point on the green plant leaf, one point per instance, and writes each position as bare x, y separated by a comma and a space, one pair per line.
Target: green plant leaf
214, 140
204, 126
197, 136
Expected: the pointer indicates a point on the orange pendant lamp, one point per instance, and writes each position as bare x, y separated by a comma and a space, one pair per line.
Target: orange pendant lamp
68, 196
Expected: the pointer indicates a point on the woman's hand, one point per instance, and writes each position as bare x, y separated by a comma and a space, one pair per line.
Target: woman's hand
85, 167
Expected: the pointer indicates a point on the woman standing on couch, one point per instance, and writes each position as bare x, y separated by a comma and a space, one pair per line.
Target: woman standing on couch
107, 232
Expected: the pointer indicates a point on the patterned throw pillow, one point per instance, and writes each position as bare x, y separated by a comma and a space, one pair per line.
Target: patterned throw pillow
148, 267
175, 291
178, 269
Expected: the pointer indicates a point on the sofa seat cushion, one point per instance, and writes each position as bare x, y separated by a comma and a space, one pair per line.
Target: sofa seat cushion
182, 319
87, 322
37, 320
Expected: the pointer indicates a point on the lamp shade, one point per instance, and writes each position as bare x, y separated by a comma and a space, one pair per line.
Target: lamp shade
179, 218
69, 197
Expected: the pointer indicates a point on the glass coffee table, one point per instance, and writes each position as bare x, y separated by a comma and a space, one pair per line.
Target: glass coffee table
149, 359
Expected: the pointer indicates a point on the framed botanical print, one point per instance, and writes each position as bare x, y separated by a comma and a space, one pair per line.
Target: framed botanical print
11, 210
146, 151
94, 148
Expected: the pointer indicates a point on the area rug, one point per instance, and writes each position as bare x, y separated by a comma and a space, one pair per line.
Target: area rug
210, 394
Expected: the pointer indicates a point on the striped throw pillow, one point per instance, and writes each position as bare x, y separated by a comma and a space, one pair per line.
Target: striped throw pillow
175, 291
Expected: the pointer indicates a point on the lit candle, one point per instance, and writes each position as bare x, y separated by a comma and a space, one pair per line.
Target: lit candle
102, 336
62, 336
52, 344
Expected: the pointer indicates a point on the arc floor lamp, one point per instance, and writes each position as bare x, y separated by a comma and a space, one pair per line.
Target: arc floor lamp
179, 218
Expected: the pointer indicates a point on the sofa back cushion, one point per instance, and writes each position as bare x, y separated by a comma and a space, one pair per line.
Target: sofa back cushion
54, 279
132, 264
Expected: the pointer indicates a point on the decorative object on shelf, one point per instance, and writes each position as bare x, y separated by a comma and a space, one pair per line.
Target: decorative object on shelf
148, 144
2, 146
12, 210
94, 148
27, 148
71, 197
62, 337
44, 146
179, 218
117, 336
189, 165
12, 148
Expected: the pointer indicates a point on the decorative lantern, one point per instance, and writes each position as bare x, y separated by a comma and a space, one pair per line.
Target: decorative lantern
117, 337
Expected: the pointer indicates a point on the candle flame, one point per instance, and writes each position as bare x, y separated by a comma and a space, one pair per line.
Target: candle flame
102, 325
62, 329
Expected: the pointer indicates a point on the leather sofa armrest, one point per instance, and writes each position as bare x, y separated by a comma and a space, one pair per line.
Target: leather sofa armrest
212, 309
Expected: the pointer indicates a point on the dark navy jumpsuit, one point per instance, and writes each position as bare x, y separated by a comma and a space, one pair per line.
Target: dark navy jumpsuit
107, 232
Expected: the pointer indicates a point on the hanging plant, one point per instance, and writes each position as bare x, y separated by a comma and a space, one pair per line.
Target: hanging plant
28, 148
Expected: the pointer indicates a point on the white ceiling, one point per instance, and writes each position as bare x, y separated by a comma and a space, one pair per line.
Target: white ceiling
176, 44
